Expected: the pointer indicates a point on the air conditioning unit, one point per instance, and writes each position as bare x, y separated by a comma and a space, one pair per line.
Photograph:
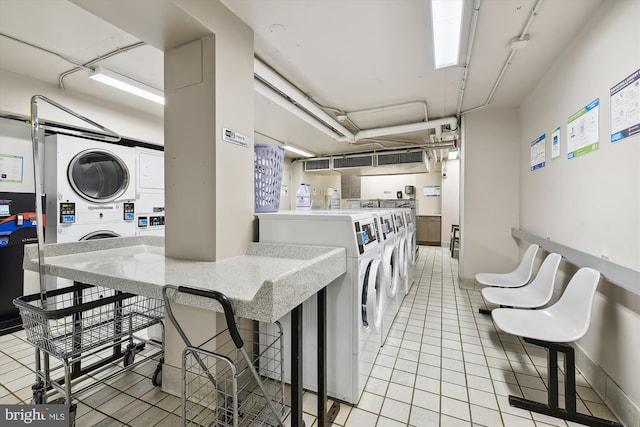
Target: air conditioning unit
354, 164
402, 162
319, 166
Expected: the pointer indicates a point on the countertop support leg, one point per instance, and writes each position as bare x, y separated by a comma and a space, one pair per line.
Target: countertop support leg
296, 367
322, 356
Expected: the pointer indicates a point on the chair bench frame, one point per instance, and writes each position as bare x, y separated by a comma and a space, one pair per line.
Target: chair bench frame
551, 408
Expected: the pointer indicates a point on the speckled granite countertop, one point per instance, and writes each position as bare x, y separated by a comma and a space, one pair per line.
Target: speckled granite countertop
265, 283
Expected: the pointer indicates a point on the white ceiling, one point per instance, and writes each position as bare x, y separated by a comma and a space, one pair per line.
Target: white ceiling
346, 55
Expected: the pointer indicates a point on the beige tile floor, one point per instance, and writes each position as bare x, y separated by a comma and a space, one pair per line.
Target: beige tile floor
443, 364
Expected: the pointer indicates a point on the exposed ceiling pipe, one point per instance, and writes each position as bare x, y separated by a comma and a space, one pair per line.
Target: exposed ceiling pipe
302, 102
523, 36
394, 130
266, 74
467, 61
274, 96
390, 107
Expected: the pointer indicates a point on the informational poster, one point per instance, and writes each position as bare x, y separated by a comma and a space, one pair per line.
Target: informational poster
555, 144
538, 152
583, 130
431, 191
625, 108
11, 168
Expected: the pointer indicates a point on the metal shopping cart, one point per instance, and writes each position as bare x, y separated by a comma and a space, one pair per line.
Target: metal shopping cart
229, 385
86, 322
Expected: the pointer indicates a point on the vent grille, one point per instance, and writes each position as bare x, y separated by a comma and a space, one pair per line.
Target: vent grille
314, 165
400, 158
352, 162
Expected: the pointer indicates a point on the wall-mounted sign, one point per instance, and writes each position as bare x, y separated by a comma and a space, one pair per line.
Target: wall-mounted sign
583, 130
625, 108
538, 152
555, 144
431, 191
235, 137
11, 168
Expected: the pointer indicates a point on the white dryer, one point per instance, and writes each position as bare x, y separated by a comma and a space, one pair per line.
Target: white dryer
88, 182
149, 191
354, 301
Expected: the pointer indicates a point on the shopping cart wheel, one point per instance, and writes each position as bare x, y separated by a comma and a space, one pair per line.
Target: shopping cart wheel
156, 379
129, 357
38, 396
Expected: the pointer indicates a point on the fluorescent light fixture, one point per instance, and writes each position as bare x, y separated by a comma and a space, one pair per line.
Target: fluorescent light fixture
298, 150
446, 22
127, 84
453, 154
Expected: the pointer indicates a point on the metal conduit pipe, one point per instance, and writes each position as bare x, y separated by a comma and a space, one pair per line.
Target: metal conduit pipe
390, 107
467, 60
394, 130
266, 74
523, 35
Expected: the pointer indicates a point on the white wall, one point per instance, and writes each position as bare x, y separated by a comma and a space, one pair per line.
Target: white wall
592, 202
490, 159
450, 199
318, 182
15, 97
15, 140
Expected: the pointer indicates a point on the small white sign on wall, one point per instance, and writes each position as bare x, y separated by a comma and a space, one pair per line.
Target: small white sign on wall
431, 191
235, 137
11, 168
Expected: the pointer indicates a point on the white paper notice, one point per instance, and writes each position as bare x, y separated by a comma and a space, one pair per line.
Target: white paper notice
555, 144
11, 168
583, 130
625, 108
538, 152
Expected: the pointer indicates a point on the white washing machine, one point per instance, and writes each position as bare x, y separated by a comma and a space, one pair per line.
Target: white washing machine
390, 268
403, 256
412, 246
355, 301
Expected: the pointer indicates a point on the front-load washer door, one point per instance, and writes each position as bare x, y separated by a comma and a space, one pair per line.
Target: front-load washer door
402, 257
390, 261
372, 302
102, 234
98, 175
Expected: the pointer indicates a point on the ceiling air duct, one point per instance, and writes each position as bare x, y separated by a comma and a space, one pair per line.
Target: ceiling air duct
357, 164
320, 166
402, 162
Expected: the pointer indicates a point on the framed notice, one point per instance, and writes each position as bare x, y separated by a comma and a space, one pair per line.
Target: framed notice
583, 130
431, 191
555, 144
538, 152
625, 108
11, 168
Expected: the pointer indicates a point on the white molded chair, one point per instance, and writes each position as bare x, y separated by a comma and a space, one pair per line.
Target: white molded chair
565, 321
534, 295
519, 277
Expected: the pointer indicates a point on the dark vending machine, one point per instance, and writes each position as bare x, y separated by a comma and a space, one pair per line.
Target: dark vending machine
17, 227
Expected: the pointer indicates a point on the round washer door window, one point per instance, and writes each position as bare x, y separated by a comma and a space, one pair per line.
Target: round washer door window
98, 175
102, 234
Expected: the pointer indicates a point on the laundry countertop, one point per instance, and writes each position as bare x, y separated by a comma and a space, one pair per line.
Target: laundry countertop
264, 283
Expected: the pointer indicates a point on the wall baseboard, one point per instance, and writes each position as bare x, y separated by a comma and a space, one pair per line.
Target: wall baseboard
611, 394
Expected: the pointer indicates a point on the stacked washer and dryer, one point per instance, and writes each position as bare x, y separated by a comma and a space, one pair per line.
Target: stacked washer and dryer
355, 300
91, 190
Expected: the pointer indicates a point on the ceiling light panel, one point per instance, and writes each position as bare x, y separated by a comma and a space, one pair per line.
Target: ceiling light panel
446, 23
127, 84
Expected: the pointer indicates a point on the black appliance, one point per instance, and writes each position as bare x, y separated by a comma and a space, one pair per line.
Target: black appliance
17, 228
